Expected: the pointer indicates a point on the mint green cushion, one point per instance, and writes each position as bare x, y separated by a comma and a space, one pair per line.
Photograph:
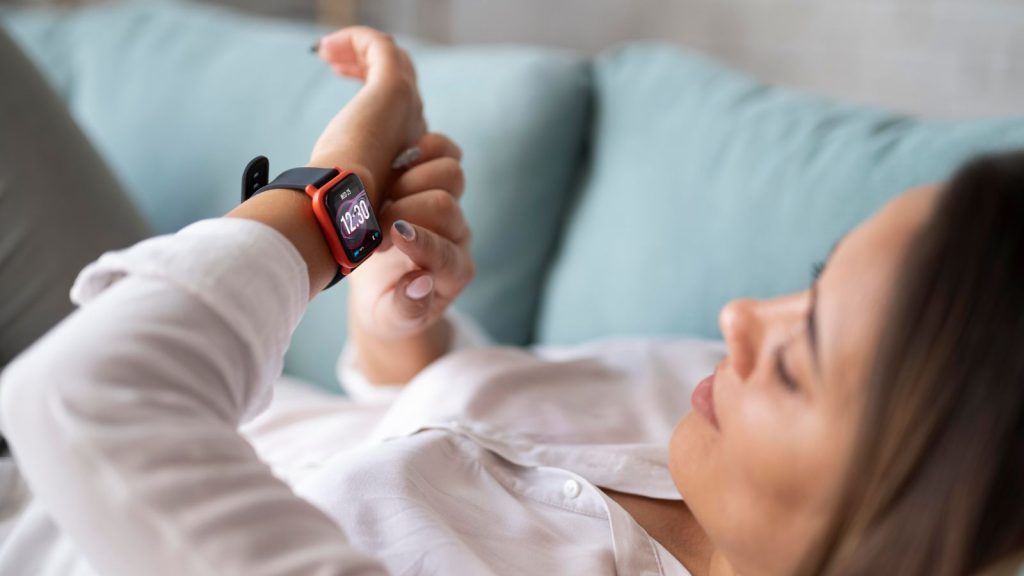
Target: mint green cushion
178, 97
706, 185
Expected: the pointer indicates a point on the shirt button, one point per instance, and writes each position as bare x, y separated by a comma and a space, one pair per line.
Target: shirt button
571, 488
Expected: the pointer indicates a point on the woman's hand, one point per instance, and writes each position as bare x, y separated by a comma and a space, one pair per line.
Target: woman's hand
398, 296
384, 118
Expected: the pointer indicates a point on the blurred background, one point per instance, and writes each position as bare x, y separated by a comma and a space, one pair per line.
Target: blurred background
939, 57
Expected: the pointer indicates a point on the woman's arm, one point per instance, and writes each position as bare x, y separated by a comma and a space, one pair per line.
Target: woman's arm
395, 330
291, 214
124, 418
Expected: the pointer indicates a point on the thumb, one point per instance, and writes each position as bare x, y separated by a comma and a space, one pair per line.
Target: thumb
412, 297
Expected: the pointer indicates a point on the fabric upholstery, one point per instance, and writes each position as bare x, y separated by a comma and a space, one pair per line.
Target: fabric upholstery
60, 207
706, 185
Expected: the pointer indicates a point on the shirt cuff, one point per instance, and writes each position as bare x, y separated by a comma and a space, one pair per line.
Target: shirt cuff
466, 335
245, 271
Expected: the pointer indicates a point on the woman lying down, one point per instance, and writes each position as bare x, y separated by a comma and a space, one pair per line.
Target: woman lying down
871, 424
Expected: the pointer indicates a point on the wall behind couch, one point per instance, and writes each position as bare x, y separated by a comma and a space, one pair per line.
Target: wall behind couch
946, 58
933, 57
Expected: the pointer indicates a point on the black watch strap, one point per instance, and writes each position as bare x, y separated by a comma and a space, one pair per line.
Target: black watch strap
257, 172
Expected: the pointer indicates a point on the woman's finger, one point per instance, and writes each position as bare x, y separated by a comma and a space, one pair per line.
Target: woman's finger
449, 264
437, 145
364, 53
436, 210
429, 147
413, 298
438, 174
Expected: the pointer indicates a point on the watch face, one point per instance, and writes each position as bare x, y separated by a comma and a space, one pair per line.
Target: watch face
353, 218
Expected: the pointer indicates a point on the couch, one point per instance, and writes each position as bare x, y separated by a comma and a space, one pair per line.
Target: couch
629, 193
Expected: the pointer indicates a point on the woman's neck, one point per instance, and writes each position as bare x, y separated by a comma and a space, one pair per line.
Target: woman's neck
672, 525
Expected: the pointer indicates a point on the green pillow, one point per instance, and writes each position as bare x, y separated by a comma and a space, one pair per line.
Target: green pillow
178, 97
705, 185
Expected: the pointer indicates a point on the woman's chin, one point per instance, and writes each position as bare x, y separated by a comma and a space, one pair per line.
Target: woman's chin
690, 452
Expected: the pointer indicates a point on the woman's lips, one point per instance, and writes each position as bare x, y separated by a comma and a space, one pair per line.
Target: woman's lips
703, 400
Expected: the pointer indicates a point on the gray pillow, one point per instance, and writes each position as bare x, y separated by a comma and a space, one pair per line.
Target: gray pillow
60, 207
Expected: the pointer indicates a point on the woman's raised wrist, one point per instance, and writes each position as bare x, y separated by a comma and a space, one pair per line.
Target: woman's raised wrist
291, 214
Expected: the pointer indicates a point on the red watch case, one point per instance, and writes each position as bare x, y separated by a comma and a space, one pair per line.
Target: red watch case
322, 197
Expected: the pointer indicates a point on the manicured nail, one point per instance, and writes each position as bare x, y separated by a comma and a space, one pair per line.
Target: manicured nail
315, 47
405, 230
420, 288
407, 157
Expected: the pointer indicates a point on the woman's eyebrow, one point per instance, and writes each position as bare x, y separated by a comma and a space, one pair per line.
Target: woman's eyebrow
812, 316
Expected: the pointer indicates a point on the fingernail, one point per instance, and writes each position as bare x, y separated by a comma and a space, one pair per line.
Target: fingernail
315, 47
407, 157
405, 230
420, 288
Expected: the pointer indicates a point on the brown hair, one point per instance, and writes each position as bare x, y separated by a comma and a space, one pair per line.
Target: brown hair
936, 485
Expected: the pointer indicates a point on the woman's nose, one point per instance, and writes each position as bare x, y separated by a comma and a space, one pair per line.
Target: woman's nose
742, 330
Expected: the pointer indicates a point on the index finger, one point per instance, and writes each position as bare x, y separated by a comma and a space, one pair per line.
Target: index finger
430, 146
436, 145
450, 263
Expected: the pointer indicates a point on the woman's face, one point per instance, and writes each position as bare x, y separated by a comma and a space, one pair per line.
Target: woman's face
761, 457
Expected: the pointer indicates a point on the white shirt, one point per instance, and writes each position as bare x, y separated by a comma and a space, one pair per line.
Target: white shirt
125, 424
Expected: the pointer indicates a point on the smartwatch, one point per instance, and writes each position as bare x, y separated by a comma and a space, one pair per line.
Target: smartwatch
340, 204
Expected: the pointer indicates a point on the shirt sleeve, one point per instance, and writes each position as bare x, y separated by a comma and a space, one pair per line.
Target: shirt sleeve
124, 417
466, 334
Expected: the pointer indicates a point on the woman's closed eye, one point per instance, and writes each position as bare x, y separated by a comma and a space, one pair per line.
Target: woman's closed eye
783, 373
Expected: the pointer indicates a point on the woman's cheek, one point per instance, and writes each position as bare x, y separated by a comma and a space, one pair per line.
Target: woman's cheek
763, 440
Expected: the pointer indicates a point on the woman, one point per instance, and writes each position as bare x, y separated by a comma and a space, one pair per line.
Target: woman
869, 425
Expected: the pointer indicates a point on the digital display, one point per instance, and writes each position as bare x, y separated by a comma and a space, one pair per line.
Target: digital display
350, 210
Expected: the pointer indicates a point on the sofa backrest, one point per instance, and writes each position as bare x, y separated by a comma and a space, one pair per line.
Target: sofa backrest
705, 185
